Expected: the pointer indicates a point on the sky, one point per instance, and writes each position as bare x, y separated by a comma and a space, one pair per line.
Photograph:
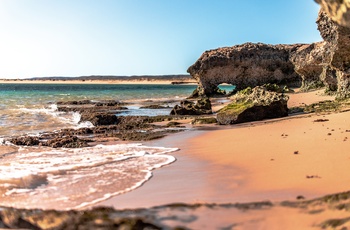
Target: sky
40, 38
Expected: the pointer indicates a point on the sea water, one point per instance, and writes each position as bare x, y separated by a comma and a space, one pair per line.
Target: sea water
62, 178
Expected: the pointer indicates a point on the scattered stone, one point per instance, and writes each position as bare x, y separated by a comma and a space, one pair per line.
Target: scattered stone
300, 197
321, 120
313, 177
296, 152
204, 120
25, 140
154, 107
173, 124
186, 107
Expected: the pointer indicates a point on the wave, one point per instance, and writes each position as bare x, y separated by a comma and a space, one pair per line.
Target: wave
36, 177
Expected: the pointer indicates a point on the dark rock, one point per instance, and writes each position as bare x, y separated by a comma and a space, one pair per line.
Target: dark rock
25, 140
257, 105
66, 142
186, 107
204, 120
173, 124
98, 119
154, 107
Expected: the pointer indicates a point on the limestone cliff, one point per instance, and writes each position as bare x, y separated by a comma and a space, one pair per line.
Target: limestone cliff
244, 65
314, 65
336, 56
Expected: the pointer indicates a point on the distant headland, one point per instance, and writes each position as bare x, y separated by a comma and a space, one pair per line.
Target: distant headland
109, 79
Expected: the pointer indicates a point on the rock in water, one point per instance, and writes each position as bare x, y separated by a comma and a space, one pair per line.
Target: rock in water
186, 107
253, 105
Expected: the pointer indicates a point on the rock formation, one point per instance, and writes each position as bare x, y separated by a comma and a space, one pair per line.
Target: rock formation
338, 10
243, 65
314, 65
253, 105
336, 61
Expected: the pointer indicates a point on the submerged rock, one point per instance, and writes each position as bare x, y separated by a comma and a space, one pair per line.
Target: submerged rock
253, 105
186, 107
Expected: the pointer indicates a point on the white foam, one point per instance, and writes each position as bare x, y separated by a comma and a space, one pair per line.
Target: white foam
101, 171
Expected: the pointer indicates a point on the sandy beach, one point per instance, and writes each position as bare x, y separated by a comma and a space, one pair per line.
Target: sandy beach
298, 157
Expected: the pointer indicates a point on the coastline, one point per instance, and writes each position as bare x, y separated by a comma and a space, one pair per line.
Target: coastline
301, 157
129, 82
246, 161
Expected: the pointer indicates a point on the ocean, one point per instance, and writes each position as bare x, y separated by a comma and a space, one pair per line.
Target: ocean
62, 178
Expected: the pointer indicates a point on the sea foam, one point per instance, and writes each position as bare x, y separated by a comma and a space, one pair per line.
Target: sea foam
36, 177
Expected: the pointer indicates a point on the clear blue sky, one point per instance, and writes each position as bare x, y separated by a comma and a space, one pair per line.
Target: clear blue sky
139, 37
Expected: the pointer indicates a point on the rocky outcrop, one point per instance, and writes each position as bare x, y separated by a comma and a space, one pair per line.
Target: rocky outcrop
253, 105
186, 107
338, 10
314, 65
308, 63
244, 65
336, 66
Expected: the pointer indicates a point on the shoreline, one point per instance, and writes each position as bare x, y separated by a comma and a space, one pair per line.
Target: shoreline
279, 161
205, 154
129, 82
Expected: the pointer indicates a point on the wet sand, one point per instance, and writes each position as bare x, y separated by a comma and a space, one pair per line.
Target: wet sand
268, 160
274, 160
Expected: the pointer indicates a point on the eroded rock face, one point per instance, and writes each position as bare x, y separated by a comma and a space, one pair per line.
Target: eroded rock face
308, 63
244, 65
336, 66
249, 65
338, 10
253, 105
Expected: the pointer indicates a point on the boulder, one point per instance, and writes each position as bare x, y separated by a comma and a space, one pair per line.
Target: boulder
98, 119
186, 107
253, 105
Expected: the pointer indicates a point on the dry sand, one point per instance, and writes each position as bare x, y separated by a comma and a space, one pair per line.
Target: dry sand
271, 160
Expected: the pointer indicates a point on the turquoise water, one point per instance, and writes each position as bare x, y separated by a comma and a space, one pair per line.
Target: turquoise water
30, 108
43, 177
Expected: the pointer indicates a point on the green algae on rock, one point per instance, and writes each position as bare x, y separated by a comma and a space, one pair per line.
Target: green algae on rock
253, 105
